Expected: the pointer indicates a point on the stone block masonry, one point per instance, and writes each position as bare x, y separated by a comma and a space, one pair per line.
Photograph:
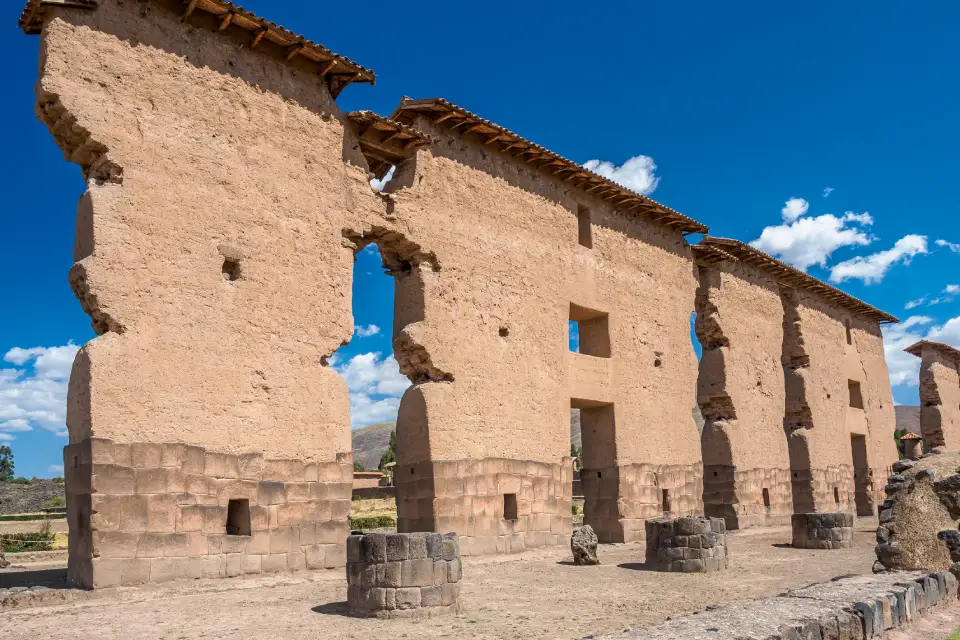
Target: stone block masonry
822, 530
687, 545
148, 512
394, 575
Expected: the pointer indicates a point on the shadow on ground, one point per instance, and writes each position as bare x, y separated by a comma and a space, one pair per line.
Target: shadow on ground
50, 578
332, 609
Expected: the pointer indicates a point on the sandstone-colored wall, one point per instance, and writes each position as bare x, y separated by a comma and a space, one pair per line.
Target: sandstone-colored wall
939, 400
742, 396
204, 160
505, 238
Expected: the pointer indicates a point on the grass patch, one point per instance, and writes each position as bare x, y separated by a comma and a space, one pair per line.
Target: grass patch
54, 503
955, 636
372, 522
26, 517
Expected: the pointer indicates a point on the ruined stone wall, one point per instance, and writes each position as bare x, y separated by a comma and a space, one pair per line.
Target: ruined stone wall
939, 401
210, 258
742, 396
509, 269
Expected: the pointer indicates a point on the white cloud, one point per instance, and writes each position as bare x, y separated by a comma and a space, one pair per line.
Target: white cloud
827, 191
367, 331
873, 268
808, 241
34, 394
913, 304
55, 468
952, 289
794, 208
375, 385
637, 173
380, 184
949, 245
904, 368
861, 218
948, 332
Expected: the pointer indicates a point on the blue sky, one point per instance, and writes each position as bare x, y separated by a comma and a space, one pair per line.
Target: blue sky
741, 107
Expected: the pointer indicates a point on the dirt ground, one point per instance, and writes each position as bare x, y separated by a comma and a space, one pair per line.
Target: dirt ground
530, 595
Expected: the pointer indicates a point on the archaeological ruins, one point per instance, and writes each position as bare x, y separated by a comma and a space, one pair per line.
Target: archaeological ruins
939, 394
227, 195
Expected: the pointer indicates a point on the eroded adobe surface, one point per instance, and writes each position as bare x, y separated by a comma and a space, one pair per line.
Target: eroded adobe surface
211, 258
741, 395
511, 276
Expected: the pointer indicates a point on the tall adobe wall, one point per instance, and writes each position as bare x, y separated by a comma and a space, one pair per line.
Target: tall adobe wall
210, 254
839, 409
741, 395
939, 395
511, 276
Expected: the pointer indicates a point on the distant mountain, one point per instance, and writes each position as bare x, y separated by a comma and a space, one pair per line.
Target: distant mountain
908, 418
370, 442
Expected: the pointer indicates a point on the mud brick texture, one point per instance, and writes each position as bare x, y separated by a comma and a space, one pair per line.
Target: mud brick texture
688, 545
144, 513
394, 575
822, 530
468, 498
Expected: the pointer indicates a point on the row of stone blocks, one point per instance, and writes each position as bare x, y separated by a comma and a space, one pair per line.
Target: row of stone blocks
391, 575
690, 544
822, 530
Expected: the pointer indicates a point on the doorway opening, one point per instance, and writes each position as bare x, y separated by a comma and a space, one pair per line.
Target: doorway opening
862, 490
599, 474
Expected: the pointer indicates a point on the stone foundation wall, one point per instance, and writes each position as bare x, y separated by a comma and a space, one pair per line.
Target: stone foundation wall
469, 497
618, 500
813, 489
148, 512
822, 530
738, 496
688, 545
397, 575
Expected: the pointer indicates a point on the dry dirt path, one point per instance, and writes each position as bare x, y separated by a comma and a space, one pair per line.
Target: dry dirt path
531, 595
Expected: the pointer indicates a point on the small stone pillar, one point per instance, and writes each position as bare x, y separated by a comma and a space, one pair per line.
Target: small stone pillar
397, 575
822, 530
690, 544
912, 446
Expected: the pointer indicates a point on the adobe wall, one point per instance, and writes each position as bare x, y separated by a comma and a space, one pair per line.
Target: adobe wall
205, 162
497, 401
741, 395
820, 419
939, 400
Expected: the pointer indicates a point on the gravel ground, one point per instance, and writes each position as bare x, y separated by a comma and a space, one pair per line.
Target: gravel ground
530, 595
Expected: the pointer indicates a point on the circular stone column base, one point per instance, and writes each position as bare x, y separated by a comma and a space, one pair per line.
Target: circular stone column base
822, 530
403, 575
689, 544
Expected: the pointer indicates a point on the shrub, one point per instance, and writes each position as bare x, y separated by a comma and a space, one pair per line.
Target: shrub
372, 522
53, 503
20, 480
58, 480
32, 541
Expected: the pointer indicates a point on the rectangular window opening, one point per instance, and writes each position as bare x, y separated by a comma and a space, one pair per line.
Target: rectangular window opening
584, 227
589, 332
846, 324
510, 506
836, 495
238, 518
665, 500
766, 498
856, 397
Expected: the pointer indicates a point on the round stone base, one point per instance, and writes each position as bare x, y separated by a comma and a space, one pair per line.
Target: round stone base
689, 544
822, 530
403, 575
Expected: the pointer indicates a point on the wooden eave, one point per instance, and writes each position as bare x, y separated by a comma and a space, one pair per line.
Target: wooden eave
385, 142
713, 250
249, 29
951, 353
461, 122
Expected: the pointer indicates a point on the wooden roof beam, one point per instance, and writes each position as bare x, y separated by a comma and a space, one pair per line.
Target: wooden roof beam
190, 8
227, 19
258, 36
446, 116
294, 51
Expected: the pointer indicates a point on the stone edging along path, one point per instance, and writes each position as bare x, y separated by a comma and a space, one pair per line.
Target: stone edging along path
846, 608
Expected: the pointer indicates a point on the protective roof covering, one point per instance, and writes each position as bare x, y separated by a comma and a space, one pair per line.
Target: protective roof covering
459, 120
385, 142
712, 249
950, 352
